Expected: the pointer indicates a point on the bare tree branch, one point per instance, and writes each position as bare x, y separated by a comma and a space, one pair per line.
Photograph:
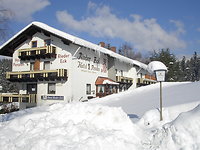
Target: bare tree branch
5, 16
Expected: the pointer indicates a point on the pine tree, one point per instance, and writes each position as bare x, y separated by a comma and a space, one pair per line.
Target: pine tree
6, 66
188, 76
194, 67
170, 61
183, 73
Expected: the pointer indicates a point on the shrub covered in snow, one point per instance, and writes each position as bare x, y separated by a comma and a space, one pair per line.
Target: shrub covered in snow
8, 107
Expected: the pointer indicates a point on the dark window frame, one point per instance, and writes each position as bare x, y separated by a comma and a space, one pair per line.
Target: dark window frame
32, 66
88, 89
122, 73
51, 92
46, 43
34, 44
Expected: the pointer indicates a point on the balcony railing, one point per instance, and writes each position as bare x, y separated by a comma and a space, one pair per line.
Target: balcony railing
25, 98
150, 77
34, 76
37, 52
123, 79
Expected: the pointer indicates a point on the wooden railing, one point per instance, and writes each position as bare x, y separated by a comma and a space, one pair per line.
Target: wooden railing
146, 80
124, 79
33, 76
150, 77
25, 98
37, 52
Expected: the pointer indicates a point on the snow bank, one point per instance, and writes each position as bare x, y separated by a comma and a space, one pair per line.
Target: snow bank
181, 134
152, 117
69, 126
140, 100
93, 127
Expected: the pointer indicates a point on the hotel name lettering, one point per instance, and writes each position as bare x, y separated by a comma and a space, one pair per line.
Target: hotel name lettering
91, 64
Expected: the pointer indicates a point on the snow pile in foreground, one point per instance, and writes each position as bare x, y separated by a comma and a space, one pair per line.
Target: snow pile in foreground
69, 126
90, 126
181, 134
87, 126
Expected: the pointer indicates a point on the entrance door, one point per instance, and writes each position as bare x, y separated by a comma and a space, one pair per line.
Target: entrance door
32, 88
37, 65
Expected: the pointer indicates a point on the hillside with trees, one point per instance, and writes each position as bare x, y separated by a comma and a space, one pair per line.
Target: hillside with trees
178, 70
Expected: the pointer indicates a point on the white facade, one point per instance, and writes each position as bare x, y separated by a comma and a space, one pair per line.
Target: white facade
84, 65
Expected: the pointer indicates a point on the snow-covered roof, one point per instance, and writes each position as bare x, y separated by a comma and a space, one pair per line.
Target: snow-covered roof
77, 41
110, 82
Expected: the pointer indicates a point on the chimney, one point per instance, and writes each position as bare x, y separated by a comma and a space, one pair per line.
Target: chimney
102, 44
113, 48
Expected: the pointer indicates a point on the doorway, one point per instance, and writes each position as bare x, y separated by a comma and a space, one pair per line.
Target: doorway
32, 88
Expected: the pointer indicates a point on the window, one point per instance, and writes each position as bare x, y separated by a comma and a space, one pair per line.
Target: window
51, 88
121, 72
34, 44
31, 88
115, 71
100, 88
88, 88
46, 65
47, 42
31, 66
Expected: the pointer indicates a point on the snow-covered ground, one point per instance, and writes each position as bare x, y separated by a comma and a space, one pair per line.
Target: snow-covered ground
136, 102
103, 124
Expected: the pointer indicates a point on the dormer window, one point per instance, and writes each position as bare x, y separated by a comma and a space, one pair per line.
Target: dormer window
47, 42
34, 44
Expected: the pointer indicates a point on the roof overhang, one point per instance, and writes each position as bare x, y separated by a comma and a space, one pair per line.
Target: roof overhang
104, 81
8, 47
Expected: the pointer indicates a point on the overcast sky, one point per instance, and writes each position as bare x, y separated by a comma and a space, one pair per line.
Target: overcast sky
145, 24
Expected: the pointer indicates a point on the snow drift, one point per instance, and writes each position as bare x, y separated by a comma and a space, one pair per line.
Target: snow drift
89, 126
138, 101
181, 134
69, 126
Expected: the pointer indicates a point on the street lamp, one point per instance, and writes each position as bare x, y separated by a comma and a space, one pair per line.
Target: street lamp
160, 77
159, 69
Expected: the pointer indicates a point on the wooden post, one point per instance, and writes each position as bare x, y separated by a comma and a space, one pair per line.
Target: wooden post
161, 117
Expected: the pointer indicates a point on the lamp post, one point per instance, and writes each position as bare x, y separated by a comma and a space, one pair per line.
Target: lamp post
159, 69
160, 77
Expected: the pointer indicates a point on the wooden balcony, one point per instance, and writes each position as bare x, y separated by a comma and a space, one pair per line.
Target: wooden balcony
34, 76
25, 98
150, 77
123, 79
146, 80
37, 53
